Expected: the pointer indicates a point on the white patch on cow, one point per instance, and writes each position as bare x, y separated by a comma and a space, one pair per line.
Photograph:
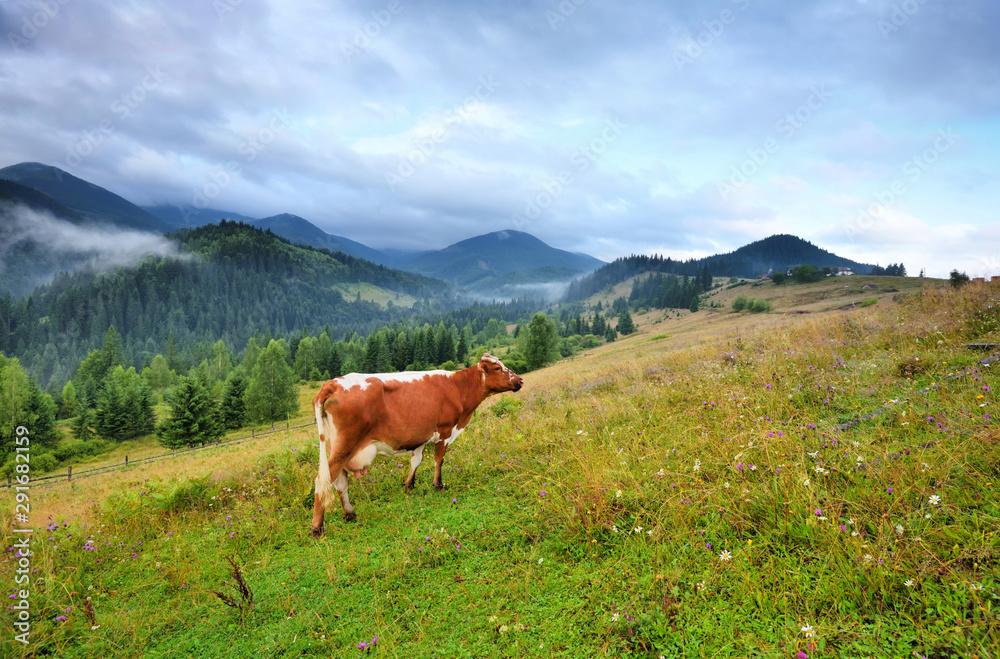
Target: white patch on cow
341, 484
455, 432
361, 379
415, 459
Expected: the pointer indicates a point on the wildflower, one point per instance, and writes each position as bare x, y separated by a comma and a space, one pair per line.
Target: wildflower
614, 617
61, 619
544, 493
618, 494
540, 560
908, 583
808, 630
818, 512
935, 499
637, 529
726, 485
801, 655
364, 645
725, 555
976, 586
899, 529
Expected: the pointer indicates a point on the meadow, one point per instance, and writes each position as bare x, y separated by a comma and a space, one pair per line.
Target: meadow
683, 492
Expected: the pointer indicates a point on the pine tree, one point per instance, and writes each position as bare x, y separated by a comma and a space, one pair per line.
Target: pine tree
271, 394
233, 412
124, 406
625, 324
193, 419
462, 350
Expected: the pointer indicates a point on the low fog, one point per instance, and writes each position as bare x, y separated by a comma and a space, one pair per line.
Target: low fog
35, 245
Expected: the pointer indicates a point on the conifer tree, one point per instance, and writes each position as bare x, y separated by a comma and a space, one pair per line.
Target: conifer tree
233, 412
193, 419
124, 406
625, 324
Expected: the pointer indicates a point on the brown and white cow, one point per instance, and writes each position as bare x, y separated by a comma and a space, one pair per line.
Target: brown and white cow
360, 416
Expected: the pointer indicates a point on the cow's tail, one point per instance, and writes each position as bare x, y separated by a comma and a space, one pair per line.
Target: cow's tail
327, 433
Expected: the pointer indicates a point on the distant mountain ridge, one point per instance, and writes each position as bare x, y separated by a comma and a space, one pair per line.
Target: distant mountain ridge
777, 252
89, 201
501, 261
303, 232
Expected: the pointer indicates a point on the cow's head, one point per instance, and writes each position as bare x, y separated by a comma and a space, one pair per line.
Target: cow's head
497, 377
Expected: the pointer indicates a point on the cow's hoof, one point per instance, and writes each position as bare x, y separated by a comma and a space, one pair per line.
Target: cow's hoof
407, 487
350, 517
317, 533
440, 487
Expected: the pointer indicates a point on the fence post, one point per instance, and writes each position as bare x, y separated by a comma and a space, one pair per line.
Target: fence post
69, 473
272, 426
126, 460
252, 433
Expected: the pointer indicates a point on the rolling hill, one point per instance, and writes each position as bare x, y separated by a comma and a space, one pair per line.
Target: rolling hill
750, 261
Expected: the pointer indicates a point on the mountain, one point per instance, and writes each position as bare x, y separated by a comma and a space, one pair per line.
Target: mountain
501, 262
12, 193
188, 217
93, 203
777, 252
303, 232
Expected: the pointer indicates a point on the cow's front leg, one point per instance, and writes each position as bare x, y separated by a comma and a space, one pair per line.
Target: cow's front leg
439, 450
418, 455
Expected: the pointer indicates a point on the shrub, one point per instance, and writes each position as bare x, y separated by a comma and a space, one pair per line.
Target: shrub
740, 303
760, 305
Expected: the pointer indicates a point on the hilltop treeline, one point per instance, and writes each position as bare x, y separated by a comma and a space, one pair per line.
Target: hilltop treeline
774, 253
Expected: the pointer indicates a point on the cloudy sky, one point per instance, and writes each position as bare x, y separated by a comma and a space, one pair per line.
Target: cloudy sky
869, 127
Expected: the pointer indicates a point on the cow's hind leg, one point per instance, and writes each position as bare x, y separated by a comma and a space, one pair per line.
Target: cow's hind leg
341, 485
439, 450
418, 455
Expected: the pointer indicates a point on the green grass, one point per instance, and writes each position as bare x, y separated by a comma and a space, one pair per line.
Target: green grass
589, 515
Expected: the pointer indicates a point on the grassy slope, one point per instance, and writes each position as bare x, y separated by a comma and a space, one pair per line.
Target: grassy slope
534, 550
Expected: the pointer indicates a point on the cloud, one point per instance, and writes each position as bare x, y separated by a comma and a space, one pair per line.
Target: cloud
70, 246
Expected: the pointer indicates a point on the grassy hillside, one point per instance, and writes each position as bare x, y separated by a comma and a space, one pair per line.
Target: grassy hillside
683, 492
